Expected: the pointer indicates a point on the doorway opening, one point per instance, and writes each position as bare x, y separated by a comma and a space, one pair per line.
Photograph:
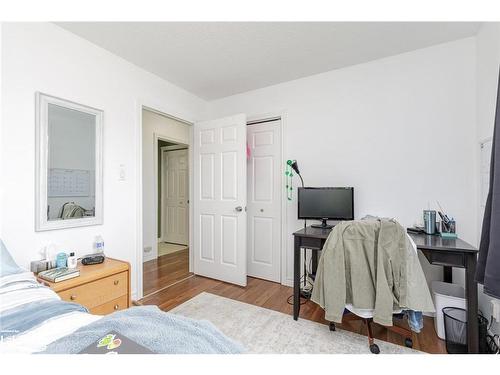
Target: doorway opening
222, 154
165, 201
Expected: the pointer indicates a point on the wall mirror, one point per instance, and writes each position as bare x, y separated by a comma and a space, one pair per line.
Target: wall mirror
68, 165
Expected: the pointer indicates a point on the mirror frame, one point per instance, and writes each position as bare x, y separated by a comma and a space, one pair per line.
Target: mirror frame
41, 166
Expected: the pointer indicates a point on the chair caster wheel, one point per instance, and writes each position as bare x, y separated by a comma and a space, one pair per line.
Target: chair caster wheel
332, 326
408, 342
374, 349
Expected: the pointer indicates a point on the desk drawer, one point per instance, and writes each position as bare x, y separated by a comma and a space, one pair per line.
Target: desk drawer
446, 259
117, 304
98, 292
312, 243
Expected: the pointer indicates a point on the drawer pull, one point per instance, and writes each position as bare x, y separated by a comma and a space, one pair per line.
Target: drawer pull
73, 297
116, 282
116, 307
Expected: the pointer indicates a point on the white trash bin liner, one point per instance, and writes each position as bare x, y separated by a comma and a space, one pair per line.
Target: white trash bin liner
446, 295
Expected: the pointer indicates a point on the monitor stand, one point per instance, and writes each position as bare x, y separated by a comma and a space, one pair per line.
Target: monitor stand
323, 225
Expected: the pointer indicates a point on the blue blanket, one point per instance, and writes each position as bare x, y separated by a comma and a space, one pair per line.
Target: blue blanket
154, 329
30, 315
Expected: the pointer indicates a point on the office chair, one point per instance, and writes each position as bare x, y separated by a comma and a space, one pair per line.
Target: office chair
406, 333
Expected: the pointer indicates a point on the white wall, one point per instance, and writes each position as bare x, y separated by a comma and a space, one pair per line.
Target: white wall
487, 67
488, 61
1, 128
44, 57
153, 123
398, 129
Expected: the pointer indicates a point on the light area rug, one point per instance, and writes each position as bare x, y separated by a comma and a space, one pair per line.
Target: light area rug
262, 330
165, 248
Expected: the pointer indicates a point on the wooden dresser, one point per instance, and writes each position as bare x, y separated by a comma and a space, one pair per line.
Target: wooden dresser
101, 288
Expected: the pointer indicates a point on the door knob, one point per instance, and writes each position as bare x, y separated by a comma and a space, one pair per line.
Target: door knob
239, 208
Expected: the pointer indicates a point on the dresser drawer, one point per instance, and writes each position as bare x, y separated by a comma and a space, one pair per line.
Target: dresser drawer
98, 292
111, 306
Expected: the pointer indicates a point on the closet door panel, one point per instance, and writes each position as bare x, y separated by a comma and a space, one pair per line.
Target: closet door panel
264, 201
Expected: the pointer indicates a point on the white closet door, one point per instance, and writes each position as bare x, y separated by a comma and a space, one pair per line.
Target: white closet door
220, 199
264, 201
176, 193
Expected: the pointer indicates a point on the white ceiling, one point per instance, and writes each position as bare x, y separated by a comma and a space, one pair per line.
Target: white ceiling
218, 59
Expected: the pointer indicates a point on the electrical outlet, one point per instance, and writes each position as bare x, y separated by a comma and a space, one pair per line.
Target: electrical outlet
495, 309
148, 249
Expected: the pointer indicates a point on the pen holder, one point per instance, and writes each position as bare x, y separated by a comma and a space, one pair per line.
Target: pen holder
448, 230
449, 227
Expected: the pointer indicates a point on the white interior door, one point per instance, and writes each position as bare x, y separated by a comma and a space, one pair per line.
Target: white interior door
175, 196
220, 199
264, 201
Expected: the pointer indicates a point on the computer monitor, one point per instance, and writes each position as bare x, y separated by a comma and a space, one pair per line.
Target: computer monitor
326, 203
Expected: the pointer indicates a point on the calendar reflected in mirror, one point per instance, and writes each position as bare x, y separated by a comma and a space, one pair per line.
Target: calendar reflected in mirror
69, 164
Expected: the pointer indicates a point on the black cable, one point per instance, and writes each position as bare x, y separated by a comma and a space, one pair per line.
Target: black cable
302, 182
304, 278
306, 273
301, 179
305, 269
302, 300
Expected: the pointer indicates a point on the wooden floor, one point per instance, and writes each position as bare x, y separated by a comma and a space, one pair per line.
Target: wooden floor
274, 296
165, 270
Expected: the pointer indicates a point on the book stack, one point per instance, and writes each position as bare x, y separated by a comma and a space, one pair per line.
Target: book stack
59, 274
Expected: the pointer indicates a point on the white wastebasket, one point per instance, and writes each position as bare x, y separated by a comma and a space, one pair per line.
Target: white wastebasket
446, 295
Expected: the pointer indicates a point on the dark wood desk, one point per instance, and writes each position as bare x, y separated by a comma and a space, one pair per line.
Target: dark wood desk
439, 251
307, 238
455, 253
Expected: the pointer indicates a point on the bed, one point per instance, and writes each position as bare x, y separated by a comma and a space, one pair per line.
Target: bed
33, 319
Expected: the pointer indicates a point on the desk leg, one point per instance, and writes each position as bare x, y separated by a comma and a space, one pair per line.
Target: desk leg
314, 256
472, 304
296, 277
448, 274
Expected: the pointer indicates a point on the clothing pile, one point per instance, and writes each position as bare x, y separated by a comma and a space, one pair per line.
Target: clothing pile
371, 267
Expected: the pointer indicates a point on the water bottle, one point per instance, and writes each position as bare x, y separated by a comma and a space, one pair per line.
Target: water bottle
99, 245
72, 261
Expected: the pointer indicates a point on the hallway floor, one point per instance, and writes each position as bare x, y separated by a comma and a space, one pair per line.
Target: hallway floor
165, 270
